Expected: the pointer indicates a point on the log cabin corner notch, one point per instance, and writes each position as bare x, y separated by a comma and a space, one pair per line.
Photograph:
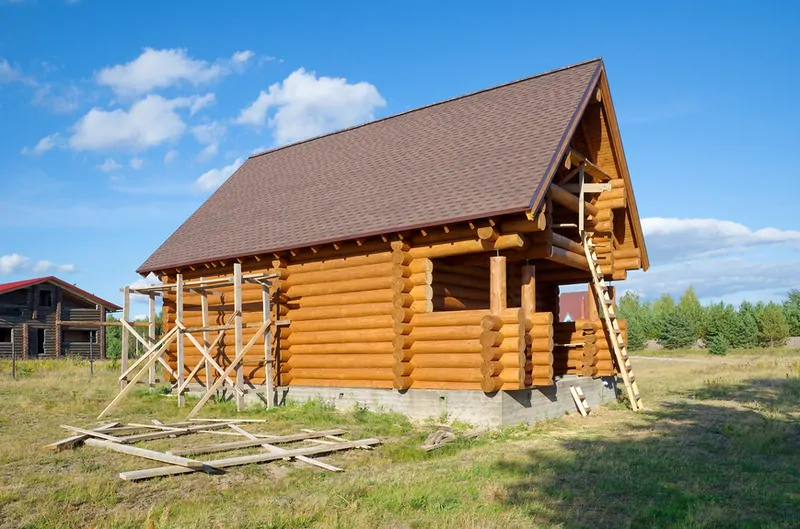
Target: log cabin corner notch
422, 250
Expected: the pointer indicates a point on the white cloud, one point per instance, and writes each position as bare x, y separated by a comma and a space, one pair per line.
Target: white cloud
11, 263
210, 135
60, 100
158, 69
15, 262
45, 144
241, 57
12, 74
136, 163
305, 106
202, 102
214, 178
109, 165
155, 69
45, 267
149, 122
171, 156
676, 239
149, 281
208, 152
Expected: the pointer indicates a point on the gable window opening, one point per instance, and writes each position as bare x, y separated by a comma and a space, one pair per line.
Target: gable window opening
79, 336
45, 298
5, 335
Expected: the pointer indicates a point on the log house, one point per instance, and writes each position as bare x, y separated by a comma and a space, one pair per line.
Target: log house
420, 251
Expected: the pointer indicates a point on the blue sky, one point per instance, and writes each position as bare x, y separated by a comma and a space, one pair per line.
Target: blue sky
117, 119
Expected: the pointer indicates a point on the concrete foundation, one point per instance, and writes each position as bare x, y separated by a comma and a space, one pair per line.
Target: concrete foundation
503, 408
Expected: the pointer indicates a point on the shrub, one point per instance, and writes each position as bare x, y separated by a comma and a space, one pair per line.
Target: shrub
718, 346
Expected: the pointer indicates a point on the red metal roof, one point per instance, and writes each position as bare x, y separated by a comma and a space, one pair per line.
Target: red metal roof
16, 285
576, 304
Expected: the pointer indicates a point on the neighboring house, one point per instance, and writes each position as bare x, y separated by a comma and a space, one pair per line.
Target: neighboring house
47, 317
574, 306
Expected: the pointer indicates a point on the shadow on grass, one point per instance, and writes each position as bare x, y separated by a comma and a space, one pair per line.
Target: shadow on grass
697, 463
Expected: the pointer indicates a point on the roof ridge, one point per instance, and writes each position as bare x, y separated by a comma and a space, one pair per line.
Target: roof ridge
456, 98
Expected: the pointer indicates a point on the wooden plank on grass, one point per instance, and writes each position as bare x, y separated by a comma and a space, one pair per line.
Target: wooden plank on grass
75, 439
152, 454
160, 435
277, 450
91, 433
228, 420
136, 475
224, 447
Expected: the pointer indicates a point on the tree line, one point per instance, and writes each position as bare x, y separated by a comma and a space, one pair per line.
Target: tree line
114, 338
720, 326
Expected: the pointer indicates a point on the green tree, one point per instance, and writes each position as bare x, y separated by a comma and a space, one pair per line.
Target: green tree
630, 308
772, 327
678, 330
662, 308
747, 327
721, 321
690, 305
718, 345
113, 340
791, 309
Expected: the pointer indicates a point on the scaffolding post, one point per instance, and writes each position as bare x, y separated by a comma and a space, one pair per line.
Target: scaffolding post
179, 318
268, 356
206, 336
151, 333
126, 313
237, 307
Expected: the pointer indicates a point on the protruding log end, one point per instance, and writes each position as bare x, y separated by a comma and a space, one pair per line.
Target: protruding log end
401, 383
491, 384
491, 323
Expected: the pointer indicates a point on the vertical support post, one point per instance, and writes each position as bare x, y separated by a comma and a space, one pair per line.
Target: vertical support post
126, 314
497, 277
92, 337
179, 318
206, 336
58, 340
581, 204
13, 355
151, 333
266, 307
237, 306
101, 337
26, 340
528, 289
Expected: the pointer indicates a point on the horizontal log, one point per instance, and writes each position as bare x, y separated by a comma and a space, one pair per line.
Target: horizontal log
444, 346
491, 384
335, 383
421, 278
348, 262
435, 236
491, 338
475, 272
342, 361
363, 322
363, 373
541, 318
569, 258
541, 331
541, 358
542, 344
432, 384
439, 374
561, 196
421, 307
355, 347
465, 332
566, 243
626, 253
614, 203
504, 242
523, 225
387, 269
421, 293
627, 264
449, 319
402, 369
328, 337
614, 193
340, 311
349, 298
420, 265
491, 369
450, 360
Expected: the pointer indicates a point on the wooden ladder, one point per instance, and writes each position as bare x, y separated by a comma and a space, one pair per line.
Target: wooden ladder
611, 323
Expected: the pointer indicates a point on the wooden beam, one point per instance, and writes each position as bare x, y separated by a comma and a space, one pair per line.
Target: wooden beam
179, 318
561, 196
153, 455
278, 450
126, 314
237, 306
498, 295
269, 358
91, 433
206, 336
151, 333
150, 436
246, 460
253, 441
69, 442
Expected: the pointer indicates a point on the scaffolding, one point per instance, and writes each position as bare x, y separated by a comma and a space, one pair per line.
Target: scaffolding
216, 376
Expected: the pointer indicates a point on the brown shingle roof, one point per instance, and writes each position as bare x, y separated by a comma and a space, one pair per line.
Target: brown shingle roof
477, 155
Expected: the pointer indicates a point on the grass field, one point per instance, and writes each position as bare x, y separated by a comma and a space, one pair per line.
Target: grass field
718, 446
